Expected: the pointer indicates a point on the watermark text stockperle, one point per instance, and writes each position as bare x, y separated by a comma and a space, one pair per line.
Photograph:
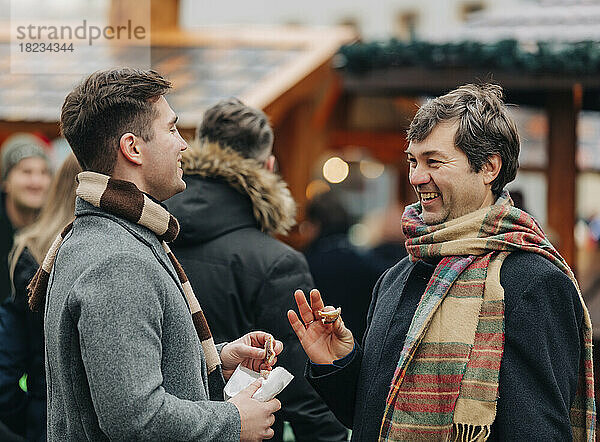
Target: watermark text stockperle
45, 35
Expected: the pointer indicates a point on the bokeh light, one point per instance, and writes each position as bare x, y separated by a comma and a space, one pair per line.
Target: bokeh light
316, 187
358, 234
371, 169
335, 170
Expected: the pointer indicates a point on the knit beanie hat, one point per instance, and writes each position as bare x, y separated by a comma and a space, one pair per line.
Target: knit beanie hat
18, 147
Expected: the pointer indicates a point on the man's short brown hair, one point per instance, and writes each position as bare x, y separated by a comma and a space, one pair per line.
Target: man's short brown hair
105, 106
484, 127
242, 128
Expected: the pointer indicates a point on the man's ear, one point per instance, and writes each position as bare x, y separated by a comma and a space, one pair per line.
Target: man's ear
130, 149
491, 168
270, 163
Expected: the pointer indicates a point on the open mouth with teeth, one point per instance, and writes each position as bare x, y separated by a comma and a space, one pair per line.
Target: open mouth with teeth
429, 196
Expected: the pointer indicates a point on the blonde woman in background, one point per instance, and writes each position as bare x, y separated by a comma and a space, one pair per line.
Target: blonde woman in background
23, 414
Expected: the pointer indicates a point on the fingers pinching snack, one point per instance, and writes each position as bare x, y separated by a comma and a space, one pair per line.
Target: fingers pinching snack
331, 316
270, 351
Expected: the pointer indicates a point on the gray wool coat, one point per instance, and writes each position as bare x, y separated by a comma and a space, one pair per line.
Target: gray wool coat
123, 361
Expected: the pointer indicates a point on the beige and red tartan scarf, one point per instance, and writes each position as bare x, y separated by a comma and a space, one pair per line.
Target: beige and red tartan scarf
445, 386
125, 200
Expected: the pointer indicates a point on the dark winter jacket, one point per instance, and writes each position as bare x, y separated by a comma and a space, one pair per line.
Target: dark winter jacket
22, 351
539, 369
345, 277
244, 278
7, 232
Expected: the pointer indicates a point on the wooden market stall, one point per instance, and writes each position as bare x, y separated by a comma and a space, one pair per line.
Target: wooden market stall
284, 70
535, 56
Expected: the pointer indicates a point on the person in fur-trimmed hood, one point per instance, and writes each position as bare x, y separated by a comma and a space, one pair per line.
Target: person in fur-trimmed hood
232, 205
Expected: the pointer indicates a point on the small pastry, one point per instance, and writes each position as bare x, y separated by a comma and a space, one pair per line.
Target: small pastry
270, 351
331, 316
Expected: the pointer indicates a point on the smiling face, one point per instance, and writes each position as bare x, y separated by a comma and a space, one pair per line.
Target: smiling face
161, 156
27, 183
443, 179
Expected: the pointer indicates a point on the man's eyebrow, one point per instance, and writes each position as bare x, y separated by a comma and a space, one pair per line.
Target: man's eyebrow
428, 153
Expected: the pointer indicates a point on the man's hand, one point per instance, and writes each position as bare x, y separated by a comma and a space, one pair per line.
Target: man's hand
323, 343
249, 350
257, 417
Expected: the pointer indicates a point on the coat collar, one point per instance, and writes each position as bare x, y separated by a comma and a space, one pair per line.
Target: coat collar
272, 204
143, 234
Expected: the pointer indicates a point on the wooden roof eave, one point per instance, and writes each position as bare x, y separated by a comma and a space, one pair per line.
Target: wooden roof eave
281, 89
521, 87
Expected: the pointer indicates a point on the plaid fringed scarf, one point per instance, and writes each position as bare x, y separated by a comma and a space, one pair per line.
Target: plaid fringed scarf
125, 200
445, 386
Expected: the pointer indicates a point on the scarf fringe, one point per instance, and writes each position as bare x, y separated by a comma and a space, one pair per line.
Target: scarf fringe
37, 298
470, 433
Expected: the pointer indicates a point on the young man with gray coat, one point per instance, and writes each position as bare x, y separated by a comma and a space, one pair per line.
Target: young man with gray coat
129, 355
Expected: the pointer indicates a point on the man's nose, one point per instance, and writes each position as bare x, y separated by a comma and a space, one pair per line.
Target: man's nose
184, 144
418, 175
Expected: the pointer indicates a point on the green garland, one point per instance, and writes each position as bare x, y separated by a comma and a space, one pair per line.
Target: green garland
505, 55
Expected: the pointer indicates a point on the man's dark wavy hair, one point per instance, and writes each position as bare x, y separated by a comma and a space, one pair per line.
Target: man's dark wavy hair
484, 127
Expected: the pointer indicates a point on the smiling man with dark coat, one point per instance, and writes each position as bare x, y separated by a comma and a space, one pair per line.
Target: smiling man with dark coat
232, 205
481, 332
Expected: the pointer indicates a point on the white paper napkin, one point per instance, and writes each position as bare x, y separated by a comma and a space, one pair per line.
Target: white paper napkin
278, 379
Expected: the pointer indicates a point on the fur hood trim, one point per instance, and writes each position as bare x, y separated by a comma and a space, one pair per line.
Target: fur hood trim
272, 203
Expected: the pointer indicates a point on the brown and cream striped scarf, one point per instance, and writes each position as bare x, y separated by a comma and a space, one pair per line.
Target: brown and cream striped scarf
125, 200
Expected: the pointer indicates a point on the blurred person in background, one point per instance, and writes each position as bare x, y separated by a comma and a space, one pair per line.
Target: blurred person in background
345, 275
232, 206
26, 177
385, 239
21, 330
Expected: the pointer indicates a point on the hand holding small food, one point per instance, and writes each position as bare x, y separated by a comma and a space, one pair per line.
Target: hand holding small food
251, 351
321, 332
329, 316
